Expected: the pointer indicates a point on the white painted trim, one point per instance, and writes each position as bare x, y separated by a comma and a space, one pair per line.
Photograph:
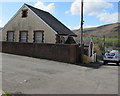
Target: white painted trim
13, 16
42, 20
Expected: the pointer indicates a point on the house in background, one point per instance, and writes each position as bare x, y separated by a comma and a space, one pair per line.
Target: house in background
1, 34
34, 25
88, 48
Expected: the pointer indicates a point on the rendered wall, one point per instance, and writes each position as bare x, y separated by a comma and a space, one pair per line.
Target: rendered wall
29, 23
58, 52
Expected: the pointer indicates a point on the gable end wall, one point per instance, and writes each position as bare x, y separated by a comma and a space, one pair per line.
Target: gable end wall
30, 23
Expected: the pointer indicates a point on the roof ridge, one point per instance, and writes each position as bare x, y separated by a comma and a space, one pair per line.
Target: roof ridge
46, 12
52, 21
35, 8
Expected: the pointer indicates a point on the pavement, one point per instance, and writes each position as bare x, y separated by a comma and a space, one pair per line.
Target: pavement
27, 75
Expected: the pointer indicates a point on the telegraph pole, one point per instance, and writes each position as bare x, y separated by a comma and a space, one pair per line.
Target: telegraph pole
81, 39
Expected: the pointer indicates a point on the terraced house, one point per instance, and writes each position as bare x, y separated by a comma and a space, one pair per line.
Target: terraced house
30, 24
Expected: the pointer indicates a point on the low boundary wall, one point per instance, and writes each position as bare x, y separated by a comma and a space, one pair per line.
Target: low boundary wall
58, 52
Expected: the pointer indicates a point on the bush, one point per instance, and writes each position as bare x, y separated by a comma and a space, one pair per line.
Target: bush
85, 59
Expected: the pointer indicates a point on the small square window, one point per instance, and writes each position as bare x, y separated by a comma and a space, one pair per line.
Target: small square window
24, 13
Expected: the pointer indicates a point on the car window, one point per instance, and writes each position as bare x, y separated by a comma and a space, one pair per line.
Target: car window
114, 51
110, 54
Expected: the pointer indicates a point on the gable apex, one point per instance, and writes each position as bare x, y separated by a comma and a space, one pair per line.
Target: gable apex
53, 23
14, 16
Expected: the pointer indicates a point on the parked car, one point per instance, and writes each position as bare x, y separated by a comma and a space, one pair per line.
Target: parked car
112, 56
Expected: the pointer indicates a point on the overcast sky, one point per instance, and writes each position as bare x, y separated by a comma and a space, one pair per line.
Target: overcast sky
97, 12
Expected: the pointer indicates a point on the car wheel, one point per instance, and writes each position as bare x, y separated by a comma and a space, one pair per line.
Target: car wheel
117, 63
105, 62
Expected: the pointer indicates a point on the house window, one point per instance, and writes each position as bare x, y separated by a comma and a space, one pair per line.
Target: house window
38, 36
24, 13
23, 36
10, 36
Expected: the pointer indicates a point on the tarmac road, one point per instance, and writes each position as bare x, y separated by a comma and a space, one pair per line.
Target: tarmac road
28, 75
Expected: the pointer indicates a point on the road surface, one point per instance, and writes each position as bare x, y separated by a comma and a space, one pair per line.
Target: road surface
27, 75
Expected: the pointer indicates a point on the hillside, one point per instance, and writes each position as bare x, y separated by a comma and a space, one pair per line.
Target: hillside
109, 30
111, 33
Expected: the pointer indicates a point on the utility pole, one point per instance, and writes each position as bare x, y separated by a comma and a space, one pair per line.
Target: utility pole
81, 39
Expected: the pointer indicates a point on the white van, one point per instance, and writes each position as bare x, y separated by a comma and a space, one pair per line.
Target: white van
113, 56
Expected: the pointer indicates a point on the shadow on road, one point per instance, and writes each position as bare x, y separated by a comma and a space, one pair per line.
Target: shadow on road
95, 65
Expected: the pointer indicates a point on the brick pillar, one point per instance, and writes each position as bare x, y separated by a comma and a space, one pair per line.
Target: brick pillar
73, 56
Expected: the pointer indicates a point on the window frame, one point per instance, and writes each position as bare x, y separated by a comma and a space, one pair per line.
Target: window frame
7, 36
24, 10
35, 31
20, 35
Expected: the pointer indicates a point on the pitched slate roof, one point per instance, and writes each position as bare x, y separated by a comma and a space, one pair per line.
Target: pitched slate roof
86, 40
70, 40
55, 24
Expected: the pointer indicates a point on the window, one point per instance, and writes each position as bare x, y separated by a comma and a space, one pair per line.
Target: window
23, 36
10, 36
24, 13
38, 36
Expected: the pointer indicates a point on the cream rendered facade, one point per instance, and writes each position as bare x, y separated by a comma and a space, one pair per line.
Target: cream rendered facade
30, 23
